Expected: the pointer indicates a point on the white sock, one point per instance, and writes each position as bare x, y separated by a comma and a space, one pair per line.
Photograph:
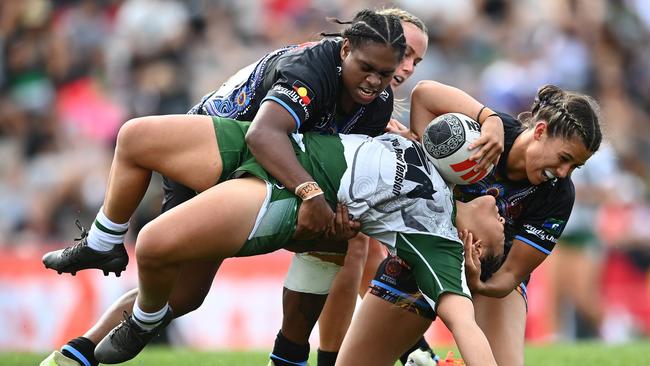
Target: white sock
104, 234
148, 321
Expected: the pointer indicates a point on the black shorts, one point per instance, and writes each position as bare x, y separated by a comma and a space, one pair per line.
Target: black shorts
395, 283
174, 194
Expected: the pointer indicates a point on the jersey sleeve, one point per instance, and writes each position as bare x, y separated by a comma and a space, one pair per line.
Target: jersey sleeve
546, 217
302, 82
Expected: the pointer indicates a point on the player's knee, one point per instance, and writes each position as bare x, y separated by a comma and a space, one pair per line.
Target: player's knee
132, 136
153, 248
357, 251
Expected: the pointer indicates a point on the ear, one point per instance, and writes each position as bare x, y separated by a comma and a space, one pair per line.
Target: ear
540, 129
345, 49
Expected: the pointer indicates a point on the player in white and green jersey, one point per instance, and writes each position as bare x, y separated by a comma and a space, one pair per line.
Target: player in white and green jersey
386, 183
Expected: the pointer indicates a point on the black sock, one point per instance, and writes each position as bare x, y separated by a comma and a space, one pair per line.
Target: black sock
421, 344
326, 358
287, 353
82, 350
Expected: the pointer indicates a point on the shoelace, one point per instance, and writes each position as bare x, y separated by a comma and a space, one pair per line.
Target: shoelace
79, 242
125, 334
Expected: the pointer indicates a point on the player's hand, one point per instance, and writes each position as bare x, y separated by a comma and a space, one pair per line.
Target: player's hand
396, 127
343, 227
472, 261
489, 145
314, 218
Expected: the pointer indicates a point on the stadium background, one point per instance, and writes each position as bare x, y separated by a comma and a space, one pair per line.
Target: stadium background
72, 71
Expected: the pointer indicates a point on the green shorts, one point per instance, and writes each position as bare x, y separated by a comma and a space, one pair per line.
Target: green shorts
275, 223
231, 138
437, 264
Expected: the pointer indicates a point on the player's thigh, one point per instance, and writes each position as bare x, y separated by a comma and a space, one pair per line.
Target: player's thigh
503, 320
380, 332
213, 225
181, 147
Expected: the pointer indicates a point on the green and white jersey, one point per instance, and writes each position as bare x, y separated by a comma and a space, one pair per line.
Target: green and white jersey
389, 186
386, 182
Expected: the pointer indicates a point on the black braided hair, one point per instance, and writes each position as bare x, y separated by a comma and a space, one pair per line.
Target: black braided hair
568, 114
370, 26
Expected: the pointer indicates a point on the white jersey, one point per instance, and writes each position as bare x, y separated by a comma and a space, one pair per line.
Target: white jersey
391, 187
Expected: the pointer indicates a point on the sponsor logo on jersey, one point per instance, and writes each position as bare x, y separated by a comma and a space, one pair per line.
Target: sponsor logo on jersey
294, 97
554, 226
400, 169
303, 91
540, 233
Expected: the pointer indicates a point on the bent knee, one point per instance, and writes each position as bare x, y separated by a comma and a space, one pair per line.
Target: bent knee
357, 250
133, 136
154, 247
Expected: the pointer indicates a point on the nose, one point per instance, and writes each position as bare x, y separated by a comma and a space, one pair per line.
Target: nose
564, 170
408, 67
373, 79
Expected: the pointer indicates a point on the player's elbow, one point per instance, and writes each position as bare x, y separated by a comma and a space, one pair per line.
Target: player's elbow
423, 87
254, 138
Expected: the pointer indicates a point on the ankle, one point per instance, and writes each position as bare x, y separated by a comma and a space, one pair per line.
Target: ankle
80, 349
288, 353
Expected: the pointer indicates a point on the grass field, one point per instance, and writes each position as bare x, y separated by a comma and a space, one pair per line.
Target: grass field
574, 354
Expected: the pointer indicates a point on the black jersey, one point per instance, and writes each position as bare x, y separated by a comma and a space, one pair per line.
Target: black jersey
534, 214
304, 79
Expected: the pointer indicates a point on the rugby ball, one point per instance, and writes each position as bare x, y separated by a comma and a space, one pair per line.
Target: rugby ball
446, 142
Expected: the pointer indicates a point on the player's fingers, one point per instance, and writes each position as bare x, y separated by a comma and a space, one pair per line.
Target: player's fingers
467, 245
478, 142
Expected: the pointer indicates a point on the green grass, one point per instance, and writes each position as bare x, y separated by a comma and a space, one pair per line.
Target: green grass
571, 354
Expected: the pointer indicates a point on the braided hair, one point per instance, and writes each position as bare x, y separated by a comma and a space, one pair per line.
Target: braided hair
568, 115
370, 26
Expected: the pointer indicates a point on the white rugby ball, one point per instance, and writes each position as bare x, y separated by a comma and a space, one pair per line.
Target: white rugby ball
446, 140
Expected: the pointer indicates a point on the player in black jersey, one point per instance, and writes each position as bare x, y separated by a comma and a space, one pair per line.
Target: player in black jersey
339, 84
534, 193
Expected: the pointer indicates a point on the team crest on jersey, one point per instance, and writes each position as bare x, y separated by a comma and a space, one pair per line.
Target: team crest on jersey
554, 226
383, 96
305, 94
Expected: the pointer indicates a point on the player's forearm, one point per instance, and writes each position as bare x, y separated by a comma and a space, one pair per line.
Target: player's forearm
274, 152
430, 99
499, 285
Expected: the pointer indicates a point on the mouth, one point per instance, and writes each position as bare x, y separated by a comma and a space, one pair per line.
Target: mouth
398, 79
547, 174
367, 93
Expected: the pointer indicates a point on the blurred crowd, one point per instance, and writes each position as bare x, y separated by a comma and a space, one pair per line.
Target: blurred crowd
73, 71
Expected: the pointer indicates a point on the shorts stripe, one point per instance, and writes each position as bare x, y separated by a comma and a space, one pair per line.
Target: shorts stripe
260, 214
425, 262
